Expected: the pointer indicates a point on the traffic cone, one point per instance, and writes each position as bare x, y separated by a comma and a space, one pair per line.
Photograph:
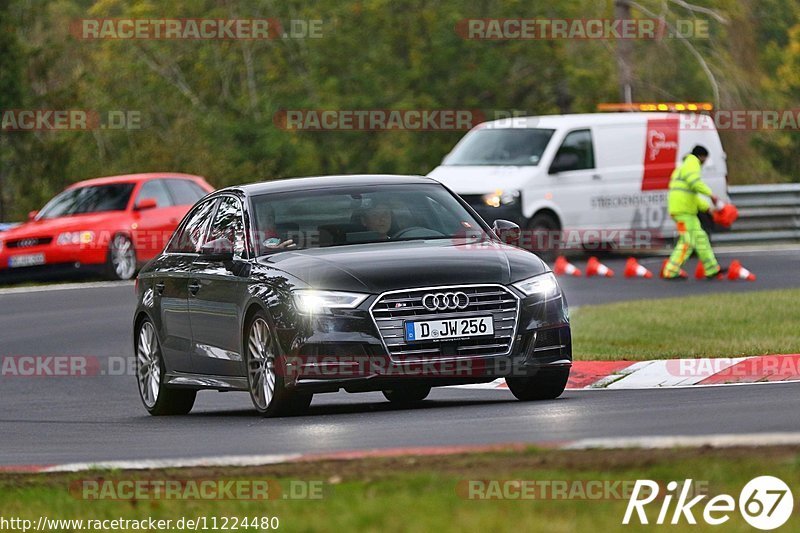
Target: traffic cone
736, 271
634, 270
596, 268
563, 267
700, 271
682, 274
725, 215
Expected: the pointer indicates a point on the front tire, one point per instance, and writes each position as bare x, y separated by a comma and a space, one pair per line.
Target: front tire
545, 385
407, 396
265, 382
543, 229
121, 261
150, 372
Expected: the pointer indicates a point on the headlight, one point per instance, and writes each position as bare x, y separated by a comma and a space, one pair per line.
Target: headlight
75, 237
499, 197
543, 285
310, 301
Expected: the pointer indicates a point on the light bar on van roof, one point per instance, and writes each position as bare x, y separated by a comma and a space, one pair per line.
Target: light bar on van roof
660, 106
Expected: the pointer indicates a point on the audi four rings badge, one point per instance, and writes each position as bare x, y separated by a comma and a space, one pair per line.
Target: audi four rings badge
444, 301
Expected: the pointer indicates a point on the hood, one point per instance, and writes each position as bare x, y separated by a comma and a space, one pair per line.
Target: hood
483, 179
51, 227
379, 267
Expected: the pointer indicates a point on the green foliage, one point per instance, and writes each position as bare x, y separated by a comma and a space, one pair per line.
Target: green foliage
208, 107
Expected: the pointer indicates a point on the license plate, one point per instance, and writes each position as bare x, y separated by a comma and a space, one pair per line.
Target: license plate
16, 261
449, 328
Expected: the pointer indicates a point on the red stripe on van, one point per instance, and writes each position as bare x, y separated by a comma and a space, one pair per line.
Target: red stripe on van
660, 153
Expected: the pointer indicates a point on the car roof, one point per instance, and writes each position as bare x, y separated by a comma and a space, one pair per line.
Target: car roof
576, 120
324, 182
134, 178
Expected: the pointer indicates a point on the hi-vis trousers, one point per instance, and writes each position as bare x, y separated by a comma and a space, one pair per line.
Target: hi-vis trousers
691, 238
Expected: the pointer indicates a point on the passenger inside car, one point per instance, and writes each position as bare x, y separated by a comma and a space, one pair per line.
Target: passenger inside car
270, 237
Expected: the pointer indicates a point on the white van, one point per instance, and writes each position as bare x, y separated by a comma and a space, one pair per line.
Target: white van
591, 174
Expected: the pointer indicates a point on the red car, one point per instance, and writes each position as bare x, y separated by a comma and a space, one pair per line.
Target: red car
107, 225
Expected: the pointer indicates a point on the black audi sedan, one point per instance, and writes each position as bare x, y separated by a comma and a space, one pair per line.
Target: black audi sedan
295, 287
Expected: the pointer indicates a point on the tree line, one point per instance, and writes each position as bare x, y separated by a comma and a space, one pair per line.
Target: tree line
213, 107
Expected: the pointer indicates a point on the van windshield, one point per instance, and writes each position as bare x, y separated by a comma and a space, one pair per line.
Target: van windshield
501, 146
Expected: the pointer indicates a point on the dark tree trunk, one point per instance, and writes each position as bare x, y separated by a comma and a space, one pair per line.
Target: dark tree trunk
622, 11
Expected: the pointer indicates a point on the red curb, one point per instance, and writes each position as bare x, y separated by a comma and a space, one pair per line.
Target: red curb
22, 469
347, 455
585, 373
763, 368
419, 451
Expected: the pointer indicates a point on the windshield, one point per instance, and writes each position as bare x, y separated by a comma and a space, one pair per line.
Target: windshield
91, 199
509, 146
369, 214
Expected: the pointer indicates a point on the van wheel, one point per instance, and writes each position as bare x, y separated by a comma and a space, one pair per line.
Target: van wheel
543, 229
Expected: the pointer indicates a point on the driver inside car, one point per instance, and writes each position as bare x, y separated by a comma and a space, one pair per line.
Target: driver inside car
377, 218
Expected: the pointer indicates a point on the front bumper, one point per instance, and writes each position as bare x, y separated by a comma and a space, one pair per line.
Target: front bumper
344, 351
58, 261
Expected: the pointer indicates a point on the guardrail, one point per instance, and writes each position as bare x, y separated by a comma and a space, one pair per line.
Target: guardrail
767, 213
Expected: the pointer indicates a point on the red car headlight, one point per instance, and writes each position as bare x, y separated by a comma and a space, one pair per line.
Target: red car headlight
75, 237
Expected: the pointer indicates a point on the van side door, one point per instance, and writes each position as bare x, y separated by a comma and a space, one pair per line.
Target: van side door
575, 179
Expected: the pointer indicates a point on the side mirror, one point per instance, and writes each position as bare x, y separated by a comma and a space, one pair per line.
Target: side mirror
507, 231
563, 162
217, 250
32, 215
146, 203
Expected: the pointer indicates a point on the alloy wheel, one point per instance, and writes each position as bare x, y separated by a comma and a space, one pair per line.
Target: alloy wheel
123, 257
148, 365
261, 364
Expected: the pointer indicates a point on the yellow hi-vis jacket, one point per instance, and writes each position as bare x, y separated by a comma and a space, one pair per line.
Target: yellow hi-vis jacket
685, 187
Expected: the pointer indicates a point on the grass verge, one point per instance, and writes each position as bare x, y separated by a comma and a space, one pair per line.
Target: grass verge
423, 493
719, 325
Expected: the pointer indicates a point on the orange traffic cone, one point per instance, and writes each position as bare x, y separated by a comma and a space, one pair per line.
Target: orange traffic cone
700, 271
596, 268
634, 270
563, 267
682, 275
725, 215
737, 271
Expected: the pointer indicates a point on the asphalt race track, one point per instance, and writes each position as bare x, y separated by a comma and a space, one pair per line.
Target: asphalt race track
47, 420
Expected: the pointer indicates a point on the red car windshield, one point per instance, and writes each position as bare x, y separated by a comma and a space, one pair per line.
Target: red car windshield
91, 199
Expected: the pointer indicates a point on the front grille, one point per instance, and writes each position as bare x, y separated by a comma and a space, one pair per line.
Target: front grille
29, 242
391, 310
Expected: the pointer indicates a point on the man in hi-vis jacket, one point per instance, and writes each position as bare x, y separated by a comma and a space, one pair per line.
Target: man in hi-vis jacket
685, 200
